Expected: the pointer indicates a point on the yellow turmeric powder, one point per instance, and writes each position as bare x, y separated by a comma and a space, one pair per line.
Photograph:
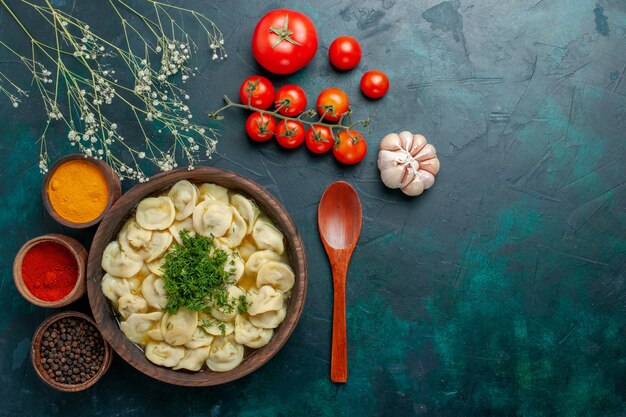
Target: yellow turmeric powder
78, 191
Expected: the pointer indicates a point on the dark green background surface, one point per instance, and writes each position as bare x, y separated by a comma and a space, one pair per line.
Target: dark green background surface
501, 291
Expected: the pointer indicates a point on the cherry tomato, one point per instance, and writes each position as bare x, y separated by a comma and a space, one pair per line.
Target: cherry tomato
374, 84
350, 147
290, 100
284, 41
257, 91
260, 127
289, 134
333, 104
344, 53
319, 139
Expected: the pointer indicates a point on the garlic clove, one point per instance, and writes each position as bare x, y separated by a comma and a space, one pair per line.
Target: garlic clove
430, 165
408, 177
406, 140
426, 178
392, 176
388, 158
419, 142
415, 187
391, 142
427, 152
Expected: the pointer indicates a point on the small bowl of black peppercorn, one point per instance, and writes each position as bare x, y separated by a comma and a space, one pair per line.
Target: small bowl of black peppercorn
69, 353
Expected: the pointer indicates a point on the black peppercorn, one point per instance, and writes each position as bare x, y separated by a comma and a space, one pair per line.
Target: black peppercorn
71, 351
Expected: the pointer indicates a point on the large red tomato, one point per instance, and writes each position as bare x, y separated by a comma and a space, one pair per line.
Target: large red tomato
284, 41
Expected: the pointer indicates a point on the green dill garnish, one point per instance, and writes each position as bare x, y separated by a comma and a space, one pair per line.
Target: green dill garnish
242, 307
195, 276
207, 323
222, 328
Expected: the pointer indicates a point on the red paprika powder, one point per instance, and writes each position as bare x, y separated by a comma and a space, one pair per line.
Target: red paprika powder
49, 271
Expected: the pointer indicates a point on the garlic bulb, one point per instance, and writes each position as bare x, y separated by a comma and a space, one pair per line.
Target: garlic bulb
408, 162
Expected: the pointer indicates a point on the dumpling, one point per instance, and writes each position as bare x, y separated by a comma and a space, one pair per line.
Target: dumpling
225, 313
235, 265
249, 335
156, 266
135, 240
213, 192
178, 226
155, 213
258, 259
140, 244
153, 290
225, 354
130, 304
193, 359
212, 217
263, 300
117, 263
199, 339
150, 249
155, 333
246, 249
113, 288
178, 328
136, 280
159, 243
277, 274
247, 208
214, 327
163, 354
236, 231
184, 195
137, 326
266, 236
269, 319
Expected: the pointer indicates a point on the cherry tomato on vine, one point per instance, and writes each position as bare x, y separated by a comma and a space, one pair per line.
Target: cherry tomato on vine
350, 147
344, 53
290, 100
260, 127
374, 84
333, 103
257, 91
289, 134
284, 41
319, 139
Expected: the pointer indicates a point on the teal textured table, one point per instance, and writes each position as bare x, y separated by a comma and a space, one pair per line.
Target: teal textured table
499, 292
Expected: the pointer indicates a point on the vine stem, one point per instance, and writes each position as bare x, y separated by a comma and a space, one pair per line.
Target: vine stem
309, 113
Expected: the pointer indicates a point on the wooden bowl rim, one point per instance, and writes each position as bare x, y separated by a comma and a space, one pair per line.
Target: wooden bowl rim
103, 313
36, 342
113, 181
80, 256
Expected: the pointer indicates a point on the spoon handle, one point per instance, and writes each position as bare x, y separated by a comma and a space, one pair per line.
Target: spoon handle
339, 351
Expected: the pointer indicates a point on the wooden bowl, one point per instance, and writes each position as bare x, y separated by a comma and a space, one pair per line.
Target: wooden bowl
113, 181
113, 221
80, 255
35, 355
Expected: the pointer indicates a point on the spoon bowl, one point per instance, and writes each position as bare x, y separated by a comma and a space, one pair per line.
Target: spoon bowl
339, 219
340, 216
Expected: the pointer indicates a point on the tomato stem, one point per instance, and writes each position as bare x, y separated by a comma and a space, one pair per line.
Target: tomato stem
301, 118
284, 34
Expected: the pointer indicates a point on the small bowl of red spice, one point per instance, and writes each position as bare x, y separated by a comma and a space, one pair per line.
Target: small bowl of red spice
69, 353
49, 270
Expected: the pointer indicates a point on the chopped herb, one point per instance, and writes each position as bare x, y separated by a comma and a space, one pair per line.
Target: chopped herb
195, 276
222, 328
243, 304
207, 323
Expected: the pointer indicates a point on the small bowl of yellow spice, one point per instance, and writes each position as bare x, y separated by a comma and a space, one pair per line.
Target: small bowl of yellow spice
78, 191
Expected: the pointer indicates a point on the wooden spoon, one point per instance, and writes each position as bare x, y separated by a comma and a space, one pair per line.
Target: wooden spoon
339, 219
